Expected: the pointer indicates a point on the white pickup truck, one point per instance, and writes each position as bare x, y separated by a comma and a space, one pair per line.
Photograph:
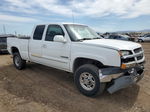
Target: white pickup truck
77, 49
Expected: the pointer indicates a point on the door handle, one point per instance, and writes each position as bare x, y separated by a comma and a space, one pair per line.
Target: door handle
44, 46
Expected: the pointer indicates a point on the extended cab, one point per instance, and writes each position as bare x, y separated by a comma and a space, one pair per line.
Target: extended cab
77, 49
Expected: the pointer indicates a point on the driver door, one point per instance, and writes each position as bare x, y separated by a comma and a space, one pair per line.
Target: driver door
55, 54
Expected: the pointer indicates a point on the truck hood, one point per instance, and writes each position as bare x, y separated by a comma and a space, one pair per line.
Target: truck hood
113, 44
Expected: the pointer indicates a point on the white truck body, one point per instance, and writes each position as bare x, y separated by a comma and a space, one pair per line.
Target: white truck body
63, 55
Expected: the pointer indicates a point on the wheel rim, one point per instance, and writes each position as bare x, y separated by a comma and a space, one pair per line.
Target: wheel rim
87, 81
17, 61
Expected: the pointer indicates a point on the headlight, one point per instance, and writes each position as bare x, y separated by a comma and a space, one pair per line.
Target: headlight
125, 53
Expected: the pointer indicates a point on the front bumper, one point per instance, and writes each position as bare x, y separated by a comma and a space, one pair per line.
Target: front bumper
121, 78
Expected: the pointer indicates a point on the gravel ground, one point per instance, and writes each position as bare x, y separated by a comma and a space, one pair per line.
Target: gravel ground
42, 89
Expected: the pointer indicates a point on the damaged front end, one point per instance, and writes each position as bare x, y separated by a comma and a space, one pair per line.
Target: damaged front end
130, 71
121, 78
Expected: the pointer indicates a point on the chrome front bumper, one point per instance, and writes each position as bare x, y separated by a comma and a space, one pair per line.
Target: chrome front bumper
108, 74
107, 78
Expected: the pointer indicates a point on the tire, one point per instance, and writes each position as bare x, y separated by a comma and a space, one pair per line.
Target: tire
140, 40
81, 79
19, 63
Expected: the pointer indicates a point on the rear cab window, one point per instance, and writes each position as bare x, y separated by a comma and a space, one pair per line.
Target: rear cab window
38, 33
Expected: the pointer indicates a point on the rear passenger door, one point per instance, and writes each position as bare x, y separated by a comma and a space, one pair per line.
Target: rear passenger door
35, 44
55, 54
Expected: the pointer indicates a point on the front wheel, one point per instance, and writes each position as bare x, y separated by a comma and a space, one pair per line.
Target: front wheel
87, 80
18, 61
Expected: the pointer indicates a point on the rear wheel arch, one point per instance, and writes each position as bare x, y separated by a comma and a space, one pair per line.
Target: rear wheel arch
14, 50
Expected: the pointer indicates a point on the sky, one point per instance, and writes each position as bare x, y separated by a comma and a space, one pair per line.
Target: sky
102, 15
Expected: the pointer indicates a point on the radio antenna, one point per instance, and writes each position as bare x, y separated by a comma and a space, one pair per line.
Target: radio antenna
72, 14
4, 29
72, 17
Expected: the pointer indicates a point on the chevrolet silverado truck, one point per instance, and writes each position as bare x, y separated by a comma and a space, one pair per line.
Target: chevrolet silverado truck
75, 48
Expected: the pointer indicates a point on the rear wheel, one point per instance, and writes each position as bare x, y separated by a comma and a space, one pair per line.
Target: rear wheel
18, 61
87, 80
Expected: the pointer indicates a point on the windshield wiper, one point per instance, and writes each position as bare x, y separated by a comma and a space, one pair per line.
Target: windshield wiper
88, 39
96, 38
84, 39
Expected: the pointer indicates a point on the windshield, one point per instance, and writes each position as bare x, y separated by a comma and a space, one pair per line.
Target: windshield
81, 32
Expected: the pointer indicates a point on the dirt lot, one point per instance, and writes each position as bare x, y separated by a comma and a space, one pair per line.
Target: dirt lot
42, 89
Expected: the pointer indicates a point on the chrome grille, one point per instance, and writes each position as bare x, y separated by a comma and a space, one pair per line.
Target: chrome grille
137, 50
136, 56
139, 57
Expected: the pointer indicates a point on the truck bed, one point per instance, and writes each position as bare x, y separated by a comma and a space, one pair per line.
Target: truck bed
21, 44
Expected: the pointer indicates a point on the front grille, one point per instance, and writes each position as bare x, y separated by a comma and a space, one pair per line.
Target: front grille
139, 57
138, 50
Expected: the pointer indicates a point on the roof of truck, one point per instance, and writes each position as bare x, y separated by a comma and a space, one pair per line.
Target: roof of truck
61, 23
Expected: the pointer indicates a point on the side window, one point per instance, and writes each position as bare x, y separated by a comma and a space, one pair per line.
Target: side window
148, 35
38, 33
53, 30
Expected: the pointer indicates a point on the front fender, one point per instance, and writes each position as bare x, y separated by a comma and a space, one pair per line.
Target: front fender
86, 56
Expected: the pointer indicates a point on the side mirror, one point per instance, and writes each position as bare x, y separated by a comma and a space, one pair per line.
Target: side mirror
59, 38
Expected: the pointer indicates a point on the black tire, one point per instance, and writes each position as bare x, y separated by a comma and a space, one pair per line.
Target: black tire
19, 63
94, 71
140, 40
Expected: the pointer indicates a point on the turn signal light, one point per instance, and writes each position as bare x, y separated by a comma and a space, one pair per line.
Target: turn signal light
123, 66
